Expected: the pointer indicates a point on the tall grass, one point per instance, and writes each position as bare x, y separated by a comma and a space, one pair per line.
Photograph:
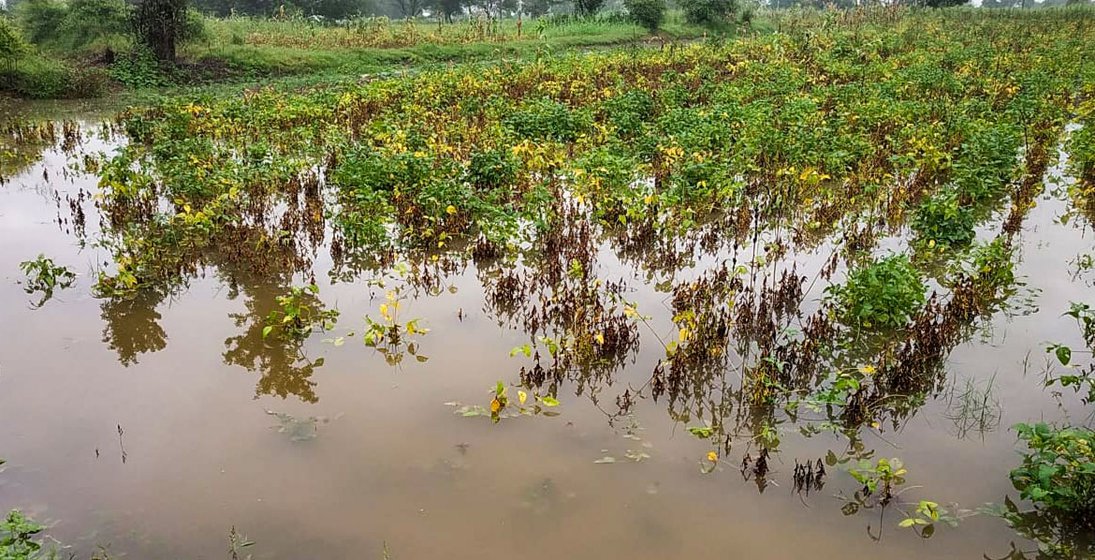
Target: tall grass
303, 33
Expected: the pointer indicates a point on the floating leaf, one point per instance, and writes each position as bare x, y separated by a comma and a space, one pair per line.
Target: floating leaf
702, 432
1064, 355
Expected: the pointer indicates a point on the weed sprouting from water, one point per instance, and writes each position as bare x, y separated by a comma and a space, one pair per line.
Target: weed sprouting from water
299, 313
973, 408
45, 276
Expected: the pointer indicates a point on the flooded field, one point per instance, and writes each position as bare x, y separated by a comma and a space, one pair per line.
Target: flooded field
615, 373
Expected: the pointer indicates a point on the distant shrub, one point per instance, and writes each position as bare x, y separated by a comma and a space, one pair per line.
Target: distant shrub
88, 82
708, 12
647, 13
40, 19
138, 68
39, 77
586, 8
748, 12
36, 77
12, 44
194, 27
75, 25
883, 294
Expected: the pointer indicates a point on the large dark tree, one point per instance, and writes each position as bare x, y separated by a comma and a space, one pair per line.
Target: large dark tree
942, 3
537, 8
494, 8
448, 8
159, 25
409, 8
586, 8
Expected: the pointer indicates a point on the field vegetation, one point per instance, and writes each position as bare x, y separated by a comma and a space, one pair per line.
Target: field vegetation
889, 155
85, 48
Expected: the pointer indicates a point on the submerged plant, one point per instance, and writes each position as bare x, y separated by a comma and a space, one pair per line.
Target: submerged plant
943, 221
45, 276
882, 295
236, 543
880, 478
1077, 377
1058, 476
502, 407
926, 515
1058, 470
18, 538
299, 313
390, 335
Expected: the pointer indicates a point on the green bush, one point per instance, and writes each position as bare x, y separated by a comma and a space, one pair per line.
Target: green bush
708, 12
138, 68
882, 295
629, 111
547, 119
647, 13
370, 170
492, 169
94, 24
194, 27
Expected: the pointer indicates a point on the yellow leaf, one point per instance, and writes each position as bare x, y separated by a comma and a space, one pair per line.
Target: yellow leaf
600, 338
712, 456
522, 396
450, 210
495, 405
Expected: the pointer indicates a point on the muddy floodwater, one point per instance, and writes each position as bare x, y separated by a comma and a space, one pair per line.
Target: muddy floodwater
155, 424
